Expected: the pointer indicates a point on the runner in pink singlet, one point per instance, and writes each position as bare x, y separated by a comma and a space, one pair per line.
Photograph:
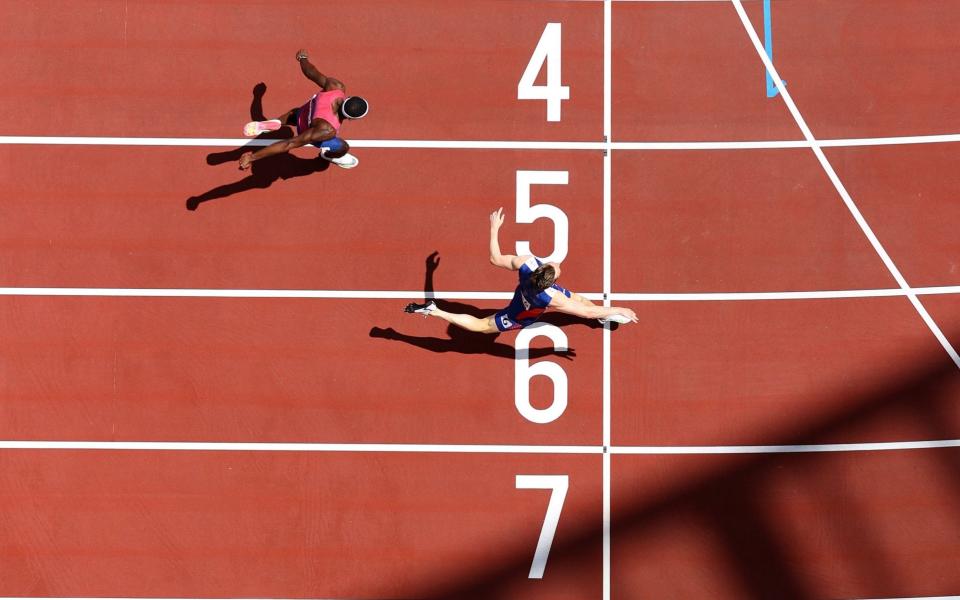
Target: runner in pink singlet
317, 122
320, 107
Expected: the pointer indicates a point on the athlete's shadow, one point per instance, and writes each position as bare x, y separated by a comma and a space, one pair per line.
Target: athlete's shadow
263, 173
468, 342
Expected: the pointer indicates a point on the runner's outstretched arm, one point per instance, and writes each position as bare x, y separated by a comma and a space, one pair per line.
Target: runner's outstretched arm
505, 261
313, 74
588, 311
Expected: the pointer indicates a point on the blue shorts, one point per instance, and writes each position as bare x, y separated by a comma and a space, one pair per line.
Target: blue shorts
504, 322
333, 145
515, 317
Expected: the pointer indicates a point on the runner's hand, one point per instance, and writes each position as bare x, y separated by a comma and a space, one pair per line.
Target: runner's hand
496, 218
629, 314
302, 55
433, 261
245, 160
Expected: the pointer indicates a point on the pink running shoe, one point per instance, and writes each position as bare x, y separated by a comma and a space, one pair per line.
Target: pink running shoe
255, 128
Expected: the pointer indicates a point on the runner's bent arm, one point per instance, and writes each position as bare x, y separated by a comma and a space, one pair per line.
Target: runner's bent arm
314, 74
587, 311
505, 261
315, 134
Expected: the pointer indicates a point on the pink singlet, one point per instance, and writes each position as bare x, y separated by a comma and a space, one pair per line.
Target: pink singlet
318, 107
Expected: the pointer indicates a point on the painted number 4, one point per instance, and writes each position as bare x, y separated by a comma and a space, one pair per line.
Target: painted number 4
547, 51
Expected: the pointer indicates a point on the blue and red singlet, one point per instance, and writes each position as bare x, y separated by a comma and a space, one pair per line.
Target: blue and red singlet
528, 303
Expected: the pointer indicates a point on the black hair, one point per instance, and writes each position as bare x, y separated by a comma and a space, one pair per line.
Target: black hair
354, 107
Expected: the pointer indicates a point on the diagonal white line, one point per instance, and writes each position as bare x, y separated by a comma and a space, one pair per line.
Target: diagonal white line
847, 200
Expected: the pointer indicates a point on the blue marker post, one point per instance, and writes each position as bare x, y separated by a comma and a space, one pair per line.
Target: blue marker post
768, 46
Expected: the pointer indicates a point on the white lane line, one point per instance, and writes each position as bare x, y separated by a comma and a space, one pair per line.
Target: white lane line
844, 195
470, 295
787, 449
493, 144
276, 294
620, 1
466, 448
781, 144
294, 447
606, 475
805, 295
248, 598
918, 598
235, 142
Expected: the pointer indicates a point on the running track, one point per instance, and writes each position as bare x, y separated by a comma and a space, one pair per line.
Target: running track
228, 402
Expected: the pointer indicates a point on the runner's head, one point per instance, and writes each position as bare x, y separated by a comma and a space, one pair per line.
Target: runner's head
545, 275
354, 107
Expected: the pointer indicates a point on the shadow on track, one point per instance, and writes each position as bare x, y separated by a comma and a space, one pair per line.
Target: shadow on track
733, 510
263, 173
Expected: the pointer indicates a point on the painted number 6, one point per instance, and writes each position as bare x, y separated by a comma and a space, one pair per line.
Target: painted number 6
528, 214
524, 373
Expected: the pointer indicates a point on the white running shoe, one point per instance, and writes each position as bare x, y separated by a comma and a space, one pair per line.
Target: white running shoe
616, 319
347, 161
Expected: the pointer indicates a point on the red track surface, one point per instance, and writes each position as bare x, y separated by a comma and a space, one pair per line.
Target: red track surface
189, 523
307, 232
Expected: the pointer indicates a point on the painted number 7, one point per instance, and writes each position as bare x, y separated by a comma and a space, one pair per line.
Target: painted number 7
547, 51
557, 484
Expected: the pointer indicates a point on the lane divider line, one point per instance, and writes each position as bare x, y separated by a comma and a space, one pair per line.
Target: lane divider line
492, 144
157, 446
472, 295
607, 410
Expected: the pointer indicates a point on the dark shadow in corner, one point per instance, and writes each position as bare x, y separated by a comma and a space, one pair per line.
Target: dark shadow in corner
734, 506
468, 342
263, 173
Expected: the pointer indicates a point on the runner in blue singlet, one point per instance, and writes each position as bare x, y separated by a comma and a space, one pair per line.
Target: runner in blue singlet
535, 292
528, 301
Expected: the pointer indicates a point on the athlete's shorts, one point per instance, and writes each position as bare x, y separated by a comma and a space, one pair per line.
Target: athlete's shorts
505, 321
333, 145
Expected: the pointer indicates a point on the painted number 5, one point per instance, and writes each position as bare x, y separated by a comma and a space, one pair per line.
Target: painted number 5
557, 484
528, 214
547, 51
